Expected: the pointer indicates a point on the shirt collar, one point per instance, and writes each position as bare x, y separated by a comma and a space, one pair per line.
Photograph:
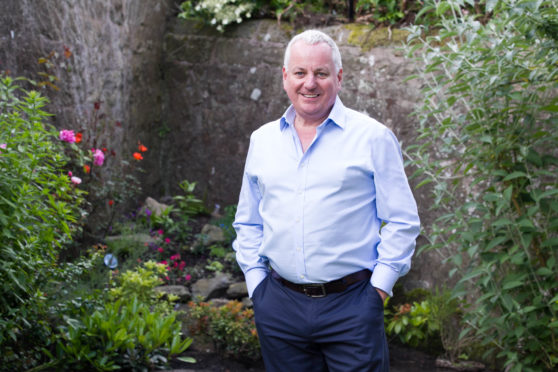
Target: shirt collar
336, 115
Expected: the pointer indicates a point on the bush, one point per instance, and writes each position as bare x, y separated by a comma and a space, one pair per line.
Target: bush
126, 334
39, 212
134, 328
489, 154
230, 327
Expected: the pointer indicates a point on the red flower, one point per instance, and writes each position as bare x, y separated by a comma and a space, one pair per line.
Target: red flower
112, 153
97, 105
138, 156
118, 124
111, 202
167, 240
104, 149
67, 52
142, 148
161, 251
79, 137
86, 168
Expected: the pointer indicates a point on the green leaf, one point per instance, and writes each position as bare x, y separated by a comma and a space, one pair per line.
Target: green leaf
186, 359
515, 175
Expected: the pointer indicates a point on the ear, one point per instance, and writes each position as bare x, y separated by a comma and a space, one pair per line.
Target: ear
284, 73
340, 77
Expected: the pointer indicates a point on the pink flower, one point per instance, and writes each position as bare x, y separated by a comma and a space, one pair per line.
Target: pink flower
188, 277
160, 231
3, 146
182, 265
70, 174
167, 240
167, 277
175, 264
75, 180
98, 157
164, 262
160, 250
67, 136
175, 257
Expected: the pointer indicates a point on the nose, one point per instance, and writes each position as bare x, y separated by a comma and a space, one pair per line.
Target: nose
310, 82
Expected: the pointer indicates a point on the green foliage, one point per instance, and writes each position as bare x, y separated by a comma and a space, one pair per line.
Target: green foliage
413, 324
125, 334
185, 207
221, 13
39, 212
389, 11
488, 153
134, 328
230, 327
140, 284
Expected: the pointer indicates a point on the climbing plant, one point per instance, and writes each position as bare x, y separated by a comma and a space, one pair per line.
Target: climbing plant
488, 152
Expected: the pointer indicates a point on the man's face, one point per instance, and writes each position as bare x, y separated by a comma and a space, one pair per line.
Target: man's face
311, 81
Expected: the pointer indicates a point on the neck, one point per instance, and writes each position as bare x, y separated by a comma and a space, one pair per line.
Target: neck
302, 122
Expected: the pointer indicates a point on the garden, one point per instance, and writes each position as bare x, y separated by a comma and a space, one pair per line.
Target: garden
96, 276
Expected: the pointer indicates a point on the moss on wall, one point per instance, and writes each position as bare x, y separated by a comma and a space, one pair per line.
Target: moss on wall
368, 37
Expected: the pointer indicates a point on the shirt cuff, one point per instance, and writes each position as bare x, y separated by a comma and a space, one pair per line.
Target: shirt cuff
384, 278
253, 278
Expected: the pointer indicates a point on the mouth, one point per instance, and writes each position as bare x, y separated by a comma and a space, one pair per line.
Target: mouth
310, 95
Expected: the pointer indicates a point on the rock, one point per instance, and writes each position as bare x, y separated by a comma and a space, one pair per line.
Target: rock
464, 366
211, 288
178, 290
219, 302
210, 234
154, 206
237, 290
247, 302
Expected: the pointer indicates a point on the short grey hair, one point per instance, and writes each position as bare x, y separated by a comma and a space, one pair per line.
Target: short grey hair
312, 37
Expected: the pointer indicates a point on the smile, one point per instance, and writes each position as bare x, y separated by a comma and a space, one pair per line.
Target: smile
310, 95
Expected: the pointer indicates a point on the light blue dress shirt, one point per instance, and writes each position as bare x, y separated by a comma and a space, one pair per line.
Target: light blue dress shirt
343, 205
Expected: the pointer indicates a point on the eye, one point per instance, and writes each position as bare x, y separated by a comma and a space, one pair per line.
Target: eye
299, 73
322, 74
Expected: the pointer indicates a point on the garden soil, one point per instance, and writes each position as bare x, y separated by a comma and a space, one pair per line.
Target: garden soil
402, 359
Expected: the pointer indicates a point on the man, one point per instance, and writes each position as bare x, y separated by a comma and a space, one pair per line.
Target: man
326, 222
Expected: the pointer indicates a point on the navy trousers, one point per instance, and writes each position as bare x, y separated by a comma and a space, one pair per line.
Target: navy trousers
340, 332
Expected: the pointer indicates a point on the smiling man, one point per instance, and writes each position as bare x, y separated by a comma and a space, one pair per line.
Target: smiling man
326, 222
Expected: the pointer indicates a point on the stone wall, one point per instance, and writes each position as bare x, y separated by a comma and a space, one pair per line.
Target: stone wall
192, 95
116, 48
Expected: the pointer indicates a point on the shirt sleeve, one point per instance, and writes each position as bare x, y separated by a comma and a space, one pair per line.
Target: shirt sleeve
249, 227
397, 209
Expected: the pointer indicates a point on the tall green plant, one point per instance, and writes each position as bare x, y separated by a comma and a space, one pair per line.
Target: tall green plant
488, 149
39, 211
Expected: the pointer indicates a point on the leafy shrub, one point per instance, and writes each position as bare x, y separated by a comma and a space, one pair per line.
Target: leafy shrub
39, 212
218, 13
140, 284
134, 328
230, 327
126, 334
488, 152
412, 324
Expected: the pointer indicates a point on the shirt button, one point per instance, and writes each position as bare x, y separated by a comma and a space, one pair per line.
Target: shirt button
302, 277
